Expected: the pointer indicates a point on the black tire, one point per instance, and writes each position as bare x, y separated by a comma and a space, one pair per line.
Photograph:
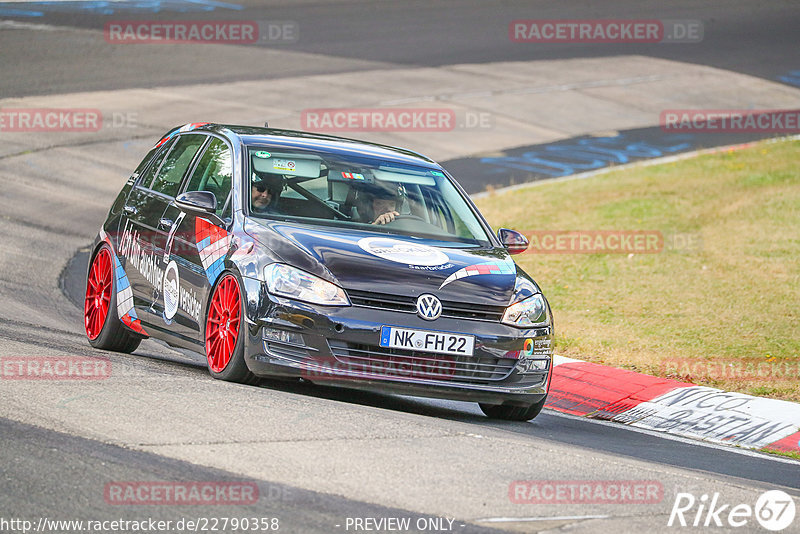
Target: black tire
114, 335
512, 413
236, 369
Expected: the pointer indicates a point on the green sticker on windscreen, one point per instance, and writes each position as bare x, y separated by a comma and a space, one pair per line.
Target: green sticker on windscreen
262, 154
437, 173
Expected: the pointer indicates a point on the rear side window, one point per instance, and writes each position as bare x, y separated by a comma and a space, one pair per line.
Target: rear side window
144, 162
214, 172
147, 177
168, 179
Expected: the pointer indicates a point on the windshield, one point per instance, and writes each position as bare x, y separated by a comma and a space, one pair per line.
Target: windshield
360, 193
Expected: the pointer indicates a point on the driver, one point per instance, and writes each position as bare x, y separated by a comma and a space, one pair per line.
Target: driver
264, 193
386, 207
381, 203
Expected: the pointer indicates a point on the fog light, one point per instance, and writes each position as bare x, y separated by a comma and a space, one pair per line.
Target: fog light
282, 336
532, 366
539, 365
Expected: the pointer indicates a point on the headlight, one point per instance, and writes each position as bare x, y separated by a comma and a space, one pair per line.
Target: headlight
527, 313
287, 281
524, 288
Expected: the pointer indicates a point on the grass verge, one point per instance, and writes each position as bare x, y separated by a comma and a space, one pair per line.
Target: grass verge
786, 454
717, 305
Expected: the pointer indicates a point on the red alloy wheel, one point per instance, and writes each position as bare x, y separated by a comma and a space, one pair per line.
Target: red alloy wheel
222, 324
98, 294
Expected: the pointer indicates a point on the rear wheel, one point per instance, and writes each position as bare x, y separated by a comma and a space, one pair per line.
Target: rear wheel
513, 413
224, 333
103, 326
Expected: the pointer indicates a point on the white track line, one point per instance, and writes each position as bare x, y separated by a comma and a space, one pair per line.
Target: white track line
673, 437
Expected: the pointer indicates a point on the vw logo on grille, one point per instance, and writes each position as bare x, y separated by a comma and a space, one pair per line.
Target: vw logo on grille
429, 307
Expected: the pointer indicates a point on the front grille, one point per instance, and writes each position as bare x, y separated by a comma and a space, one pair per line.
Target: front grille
450, 309
402, 363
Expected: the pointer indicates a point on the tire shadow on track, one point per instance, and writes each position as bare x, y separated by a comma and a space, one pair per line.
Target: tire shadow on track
592, 435
560, 430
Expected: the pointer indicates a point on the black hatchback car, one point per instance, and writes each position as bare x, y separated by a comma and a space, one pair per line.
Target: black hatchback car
279, 253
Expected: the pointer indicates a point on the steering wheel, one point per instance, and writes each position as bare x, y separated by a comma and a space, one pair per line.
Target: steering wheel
407, 217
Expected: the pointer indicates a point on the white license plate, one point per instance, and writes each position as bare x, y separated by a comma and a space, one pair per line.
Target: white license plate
427, 341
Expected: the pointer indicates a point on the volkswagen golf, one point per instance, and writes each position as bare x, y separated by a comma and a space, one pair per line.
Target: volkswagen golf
279, 253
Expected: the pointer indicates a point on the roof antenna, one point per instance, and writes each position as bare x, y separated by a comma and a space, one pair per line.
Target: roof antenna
266, 124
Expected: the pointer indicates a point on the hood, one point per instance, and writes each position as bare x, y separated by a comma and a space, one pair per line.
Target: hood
392, 264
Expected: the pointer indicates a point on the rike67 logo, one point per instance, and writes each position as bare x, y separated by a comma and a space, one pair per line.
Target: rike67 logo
774, 510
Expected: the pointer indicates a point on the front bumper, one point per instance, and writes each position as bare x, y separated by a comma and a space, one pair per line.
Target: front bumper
340, 346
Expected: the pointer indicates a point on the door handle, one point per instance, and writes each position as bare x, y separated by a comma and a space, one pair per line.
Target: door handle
165, 223
130, 210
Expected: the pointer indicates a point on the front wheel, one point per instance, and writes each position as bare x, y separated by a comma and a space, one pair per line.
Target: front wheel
100, 319
512, 413
224, 333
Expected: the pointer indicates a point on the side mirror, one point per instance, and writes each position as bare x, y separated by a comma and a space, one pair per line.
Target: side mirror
514, 241
197, 201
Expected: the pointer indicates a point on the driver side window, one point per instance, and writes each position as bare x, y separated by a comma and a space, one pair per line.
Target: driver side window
214, 173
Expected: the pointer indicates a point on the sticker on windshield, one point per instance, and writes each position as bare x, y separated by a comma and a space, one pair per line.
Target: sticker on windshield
284, 165
403, 251
481, 269
261, 154
352, 176
437, 173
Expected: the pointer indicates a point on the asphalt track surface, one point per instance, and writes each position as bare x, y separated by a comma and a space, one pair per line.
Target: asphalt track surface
77, 467
318, 455
754, 38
